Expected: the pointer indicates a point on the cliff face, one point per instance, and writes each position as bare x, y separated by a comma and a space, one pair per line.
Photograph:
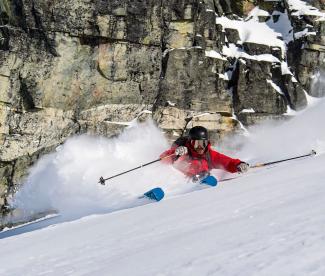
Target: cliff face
70, 67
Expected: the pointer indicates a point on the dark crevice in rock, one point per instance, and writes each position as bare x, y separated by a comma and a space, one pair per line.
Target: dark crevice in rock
226, 6
294, 53
293, 91
278, 79
27, 99
94, 40
135, 30
4, 18
177, 8
164, 63
11, 184
20, 16
78, 130
233, 83
6, 178
4, 38
183, 20
5, 12
5, 103
49, 43
11, 13
102, 73
164, 57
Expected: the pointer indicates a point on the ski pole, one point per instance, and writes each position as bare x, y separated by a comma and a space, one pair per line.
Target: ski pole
283, 160
102, 179
258, 165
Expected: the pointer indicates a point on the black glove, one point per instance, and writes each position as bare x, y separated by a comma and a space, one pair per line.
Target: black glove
242, 167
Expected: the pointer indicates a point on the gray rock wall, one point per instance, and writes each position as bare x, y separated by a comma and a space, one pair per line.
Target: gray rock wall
71, 67
307, 53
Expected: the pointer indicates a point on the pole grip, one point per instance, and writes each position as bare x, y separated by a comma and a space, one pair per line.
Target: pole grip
259, 165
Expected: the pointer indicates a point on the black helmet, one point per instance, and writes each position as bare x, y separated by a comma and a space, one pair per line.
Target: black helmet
198, 133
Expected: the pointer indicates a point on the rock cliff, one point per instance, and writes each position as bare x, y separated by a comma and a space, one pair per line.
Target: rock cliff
89, 66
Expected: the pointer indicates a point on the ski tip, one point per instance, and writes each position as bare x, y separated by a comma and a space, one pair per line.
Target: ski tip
156, 194
210, 180
313, 152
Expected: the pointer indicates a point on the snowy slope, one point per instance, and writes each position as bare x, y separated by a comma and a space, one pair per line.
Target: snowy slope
270, 222
267, 222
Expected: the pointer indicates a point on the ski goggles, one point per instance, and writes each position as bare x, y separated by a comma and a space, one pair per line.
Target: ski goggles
199, 144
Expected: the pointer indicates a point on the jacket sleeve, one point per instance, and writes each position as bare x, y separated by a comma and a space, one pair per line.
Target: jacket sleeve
168, 160
221, 161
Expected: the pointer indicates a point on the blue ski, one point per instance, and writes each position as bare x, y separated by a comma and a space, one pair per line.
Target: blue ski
156, 194
210, 181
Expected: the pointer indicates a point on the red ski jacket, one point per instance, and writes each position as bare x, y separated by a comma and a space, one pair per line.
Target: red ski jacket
193, 163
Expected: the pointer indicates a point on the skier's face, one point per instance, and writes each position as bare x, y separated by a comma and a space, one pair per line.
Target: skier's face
199, 145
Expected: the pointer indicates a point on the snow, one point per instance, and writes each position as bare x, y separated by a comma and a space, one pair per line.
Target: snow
224, 76
210, 232
279, 22
250, 110
242, 127
214, 54
285, 70
275, 32
290, 111
303, 33
201, 115
252, 31
282, 25
118, 123
275, 87
233, 51
56, 182
300, 8
171, 103
269, 221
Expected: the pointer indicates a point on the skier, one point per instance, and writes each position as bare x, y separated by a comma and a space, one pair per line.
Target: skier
194, 156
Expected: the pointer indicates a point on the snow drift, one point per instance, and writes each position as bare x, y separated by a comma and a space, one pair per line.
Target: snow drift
67, 180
